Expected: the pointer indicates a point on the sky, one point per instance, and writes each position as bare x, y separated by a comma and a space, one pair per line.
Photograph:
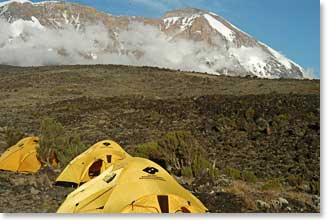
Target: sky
291, 27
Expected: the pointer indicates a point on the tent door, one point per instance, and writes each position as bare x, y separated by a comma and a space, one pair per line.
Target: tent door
163, 203
109, 158
95, 168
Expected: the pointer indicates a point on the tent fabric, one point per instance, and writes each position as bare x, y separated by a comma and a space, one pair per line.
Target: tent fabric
161, 204
132, 185
91, 163
22, 157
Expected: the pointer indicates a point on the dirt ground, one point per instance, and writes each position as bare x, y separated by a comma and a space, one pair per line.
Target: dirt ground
270, 128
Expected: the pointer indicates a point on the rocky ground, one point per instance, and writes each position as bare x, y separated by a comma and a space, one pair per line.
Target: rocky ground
263, 136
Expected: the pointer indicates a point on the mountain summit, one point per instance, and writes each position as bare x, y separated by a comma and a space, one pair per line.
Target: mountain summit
56, 32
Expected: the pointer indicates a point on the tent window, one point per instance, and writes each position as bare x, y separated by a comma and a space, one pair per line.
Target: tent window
163, 203
185, 210
109, 158
95, 168
109, 178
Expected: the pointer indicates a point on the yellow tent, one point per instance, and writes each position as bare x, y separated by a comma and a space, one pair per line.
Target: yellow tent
21, 157
91, 163
133, 185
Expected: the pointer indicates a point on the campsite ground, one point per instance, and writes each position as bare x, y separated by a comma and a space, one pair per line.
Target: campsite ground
262, 136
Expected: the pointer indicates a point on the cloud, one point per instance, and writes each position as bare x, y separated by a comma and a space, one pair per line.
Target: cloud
139, 44
309, 73
34, 46
95, 44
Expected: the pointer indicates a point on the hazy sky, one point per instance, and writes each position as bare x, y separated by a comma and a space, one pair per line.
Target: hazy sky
291, 27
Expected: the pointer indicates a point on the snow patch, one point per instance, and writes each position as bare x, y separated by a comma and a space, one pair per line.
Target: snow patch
236, 28
4, 9
55, 22
214, 14
281, 58
188, 21
65, 17
220, 27
75, 20
170, 21
253, 59
45, 2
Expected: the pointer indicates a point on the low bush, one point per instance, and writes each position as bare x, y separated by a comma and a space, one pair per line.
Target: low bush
55, 141
281, 120
315, 187
12, 136
179, 150
250, 114
187, 171
249, 176
273, 184
146, 149
294, 180
233, 173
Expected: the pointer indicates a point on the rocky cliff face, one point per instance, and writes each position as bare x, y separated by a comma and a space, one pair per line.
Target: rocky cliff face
188, 39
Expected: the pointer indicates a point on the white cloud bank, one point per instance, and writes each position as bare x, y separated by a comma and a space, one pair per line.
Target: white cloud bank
27, 43
31, 45
309, 73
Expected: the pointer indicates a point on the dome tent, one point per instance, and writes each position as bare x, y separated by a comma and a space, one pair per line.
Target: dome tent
91, 163
22, 157
130, 186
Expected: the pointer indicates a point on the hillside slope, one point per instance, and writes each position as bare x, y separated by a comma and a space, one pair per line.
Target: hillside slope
269, 129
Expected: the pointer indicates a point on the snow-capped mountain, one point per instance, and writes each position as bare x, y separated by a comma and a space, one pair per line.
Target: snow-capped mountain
56, 32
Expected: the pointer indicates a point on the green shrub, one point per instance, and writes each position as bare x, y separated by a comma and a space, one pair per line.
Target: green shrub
73, 148
312, 117
281, 120
272, 184
181, 151
12, 136
54, 140
249, 114
199, 165
233, 173
315, 187
187, 171
146, 149
154, 115
283, 117
223, 123
213, 172
249, 176
294, 180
